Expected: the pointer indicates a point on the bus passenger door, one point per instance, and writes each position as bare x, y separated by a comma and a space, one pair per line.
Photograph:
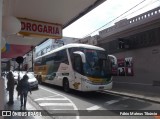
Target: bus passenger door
78, 71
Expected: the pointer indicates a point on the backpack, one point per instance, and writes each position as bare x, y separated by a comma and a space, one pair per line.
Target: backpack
18, 88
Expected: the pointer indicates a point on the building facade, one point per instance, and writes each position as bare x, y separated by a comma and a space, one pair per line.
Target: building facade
136, 44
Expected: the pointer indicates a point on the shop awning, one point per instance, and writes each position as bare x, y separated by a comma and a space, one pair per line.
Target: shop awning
62, 12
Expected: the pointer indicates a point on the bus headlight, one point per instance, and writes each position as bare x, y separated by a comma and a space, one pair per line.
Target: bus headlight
89, 81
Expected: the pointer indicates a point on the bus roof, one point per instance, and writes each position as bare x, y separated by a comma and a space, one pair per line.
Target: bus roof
71, 45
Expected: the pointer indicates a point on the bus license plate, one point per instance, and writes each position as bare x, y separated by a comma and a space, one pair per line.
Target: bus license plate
101, 88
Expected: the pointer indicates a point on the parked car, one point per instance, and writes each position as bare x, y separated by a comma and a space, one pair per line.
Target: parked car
32, 80
15, 74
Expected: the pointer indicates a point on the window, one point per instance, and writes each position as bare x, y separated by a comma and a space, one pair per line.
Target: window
71, 50
63, 56
38, 54
43, 61
48, 49
58, 57
78, 64
38, 61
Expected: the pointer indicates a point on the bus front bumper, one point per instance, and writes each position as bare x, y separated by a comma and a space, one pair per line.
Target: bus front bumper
91, 87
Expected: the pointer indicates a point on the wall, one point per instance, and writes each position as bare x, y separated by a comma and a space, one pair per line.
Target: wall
144, 47
146, 65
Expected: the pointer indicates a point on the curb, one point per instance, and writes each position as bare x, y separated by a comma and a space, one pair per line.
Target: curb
150, 99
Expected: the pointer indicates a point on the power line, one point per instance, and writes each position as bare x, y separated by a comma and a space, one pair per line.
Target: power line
115, 18
142, 8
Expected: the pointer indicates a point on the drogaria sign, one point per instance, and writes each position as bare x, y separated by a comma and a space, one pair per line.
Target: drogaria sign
42, 29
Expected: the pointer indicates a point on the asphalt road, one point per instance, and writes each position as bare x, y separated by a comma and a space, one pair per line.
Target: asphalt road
90, 105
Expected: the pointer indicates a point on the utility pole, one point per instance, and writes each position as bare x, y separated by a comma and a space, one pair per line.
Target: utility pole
32, 48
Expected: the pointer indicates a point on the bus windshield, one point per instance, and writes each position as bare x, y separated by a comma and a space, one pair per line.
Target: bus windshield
96, 63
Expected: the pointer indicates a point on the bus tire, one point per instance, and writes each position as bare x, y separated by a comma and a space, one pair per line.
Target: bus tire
66, 85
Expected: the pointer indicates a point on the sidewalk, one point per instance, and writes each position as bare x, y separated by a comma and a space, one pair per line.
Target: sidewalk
16, 106
136, 94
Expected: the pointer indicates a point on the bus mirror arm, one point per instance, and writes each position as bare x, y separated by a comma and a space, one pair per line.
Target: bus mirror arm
115, 59
82, 55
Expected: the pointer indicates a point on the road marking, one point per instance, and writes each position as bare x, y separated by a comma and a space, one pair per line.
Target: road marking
63, 109
74, 106
112, 102
55, 104
46, 97
93, 108
50, 99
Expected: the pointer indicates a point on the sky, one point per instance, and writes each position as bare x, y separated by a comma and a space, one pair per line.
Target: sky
106, 12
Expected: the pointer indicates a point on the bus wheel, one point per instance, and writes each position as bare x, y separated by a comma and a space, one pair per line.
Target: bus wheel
66, 85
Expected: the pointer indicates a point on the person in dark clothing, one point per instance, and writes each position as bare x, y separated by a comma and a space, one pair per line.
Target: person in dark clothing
18, 94
10, 87
23, 88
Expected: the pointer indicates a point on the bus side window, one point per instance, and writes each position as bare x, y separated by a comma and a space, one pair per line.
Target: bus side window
43, 61
38, 62
78, 64
64, 57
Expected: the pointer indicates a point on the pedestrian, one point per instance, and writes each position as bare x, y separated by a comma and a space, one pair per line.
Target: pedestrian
10, 87
18, 94
23, 88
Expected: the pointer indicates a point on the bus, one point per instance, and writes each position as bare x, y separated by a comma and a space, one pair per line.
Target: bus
76, 66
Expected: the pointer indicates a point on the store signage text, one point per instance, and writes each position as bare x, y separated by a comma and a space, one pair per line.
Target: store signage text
30, 27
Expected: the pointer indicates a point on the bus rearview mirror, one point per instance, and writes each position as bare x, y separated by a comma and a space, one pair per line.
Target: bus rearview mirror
82, 55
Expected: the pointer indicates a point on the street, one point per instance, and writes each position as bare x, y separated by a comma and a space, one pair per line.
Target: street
99, 105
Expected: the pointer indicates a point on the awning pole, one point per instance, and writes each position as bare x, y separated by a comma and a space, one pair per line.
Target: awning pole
1, 4
1, 80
